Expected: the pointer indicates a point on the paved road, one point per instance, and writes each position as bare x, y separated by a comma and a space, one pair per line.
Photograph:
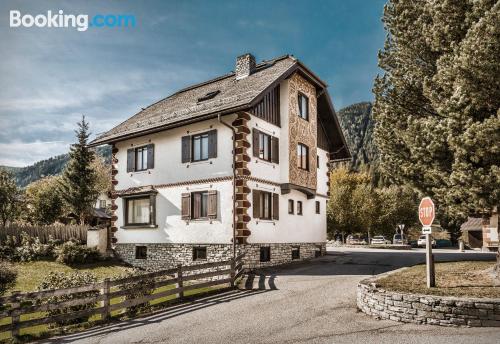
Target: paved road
310, 302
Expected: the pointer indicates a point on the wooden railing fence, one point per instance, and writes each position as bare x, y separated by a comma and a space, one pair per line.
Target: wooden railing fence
44, 233
111, 294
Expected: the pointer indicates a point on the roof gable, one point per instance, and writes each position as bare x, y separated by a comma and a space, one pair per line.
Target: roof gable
184, 106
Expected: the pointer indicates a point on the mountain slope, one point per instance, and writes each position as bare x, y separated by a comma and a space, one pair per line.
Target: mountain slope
48, 167
357, 123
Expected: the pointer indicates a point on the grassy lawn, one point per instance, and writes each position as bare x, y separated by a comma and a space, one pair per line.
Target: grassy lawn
29, 275
470, 279
32, 273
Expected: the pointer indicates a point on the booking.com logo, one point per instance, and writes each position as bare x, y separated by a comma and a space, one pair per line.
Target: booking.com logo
79, 21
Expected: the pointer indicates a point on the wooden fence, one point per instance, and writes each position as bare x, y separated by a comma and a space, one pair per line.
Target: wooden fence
44, 233
110, 297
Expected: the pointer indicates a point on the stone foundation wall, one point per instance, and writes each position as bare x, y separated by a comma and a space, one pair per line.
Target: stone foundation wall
426, 309
166, 256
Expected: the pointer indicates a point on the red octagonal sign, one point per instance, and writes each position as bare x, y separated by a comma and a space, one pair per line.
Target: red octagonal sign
426, 211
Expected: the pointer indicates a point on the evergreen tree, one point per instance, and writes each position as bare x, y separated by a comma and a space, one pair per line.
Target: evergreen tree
9, 198
79, 179
437, 104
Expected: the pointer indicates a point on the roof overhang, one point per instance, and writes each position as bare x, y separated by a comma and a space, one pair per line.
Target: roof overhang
286, 188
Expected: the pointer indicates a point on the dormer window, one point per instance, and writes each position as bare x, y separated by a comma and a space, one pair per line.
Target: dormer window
303, 106
208, 96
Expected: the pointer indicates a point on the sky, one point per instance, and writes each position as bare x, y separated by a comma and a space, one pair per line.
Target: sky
50, 77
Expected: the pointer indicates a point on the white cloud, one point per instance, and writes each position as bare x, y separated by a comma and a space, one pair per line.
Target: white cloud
20, 154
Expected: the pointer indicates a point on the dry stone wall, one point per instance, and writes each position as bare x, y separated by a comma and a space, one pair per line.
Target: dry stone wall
426, 309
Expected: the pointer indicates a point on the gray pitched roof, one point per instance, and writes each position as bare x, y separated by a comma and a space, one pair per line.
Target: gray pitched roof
183, 106
472, 224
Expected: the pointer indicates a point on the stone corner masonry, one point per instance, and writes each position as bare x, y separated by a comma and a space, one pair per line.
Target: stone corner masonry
426, 309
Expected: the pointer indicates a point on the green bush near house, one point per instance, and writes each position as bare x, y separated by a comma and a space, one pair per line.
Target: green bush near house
72, 253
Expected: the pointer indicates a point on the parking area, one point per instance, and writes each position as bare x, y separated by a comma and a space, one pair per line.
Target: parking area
312, 302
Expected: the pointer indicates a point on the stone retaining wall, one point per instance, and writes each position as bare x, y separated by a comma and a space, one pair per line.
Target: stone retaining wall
165, 256
426, 309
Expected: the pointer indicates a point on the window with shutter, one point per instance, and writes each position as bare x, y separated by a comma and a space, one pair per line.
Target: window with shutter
276, 206
255, 142
186, 206
130, 160
186, 149
212, 144
199, 202
256, 203
212, 204
151, 156
275, 154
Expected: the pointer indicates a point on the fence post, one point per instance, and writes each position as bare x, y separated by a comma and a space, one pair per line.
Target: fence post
16, 317
106, 300
233, 272
180, 284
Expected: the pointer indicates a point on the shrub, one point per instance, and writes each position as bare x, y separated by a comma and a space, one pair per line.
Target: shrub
7, 276
72, 252
137, 289
32, 249
58, 280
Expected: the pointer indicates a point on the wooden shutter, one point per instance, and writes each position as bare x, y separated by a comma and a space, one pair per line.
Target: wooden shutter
255, 142
186, 149
256, 204
151, 156
212, 204
212, 144
196, 211
186, 206
152, 208
276, 206
275, 150
131, 160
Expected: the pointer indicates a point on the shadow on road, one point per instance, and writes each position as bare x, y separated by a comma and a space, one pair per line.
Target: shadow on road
167, 313
361, 263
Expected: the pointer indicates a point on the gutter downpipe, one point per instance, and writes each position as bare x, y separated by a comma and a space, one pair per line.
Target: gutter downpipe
234, 181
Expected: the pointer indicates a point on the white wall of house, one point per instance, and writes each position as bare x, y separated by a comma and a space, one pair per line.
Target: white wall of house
172, 229
103, 196
168, 166
309, 227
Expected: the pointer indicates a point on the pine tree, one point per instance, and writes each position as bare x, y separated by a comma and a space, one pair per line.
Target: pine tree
437, 107
78, 186
428, 138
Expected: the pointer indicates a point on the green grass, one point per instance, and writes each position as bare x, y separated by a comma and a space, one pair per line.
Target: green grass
31, 274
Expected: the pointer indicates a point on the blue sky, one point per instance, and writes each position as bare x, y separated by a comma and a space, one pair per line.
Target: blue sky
51, 76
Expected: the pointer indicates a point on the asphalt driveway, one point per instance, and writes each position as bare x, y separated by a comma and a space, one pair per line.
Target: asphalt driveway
313, 302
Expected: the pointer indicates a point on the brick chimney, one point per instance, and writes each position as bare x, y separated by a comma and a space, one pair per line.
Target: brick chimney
245, 65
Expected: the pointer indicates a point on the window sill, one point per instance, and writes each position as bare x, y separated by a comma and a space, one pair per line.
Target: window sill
200, 162
139, 226
266, 162
265, 221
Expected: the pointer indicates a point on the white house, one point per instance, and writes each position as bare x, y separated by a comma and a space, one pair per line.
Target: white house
237, 163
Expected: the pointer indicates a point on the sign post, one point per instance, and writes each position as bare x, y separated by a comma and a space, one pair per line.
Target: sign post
426, 215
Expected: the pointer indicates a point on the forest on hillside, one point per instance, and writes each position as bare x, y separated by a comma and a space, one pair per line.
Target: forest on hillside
48, 167
357, 124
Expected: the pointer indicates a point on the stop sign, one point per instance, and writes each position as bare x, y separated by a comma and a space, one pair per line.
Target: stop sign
426, 211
